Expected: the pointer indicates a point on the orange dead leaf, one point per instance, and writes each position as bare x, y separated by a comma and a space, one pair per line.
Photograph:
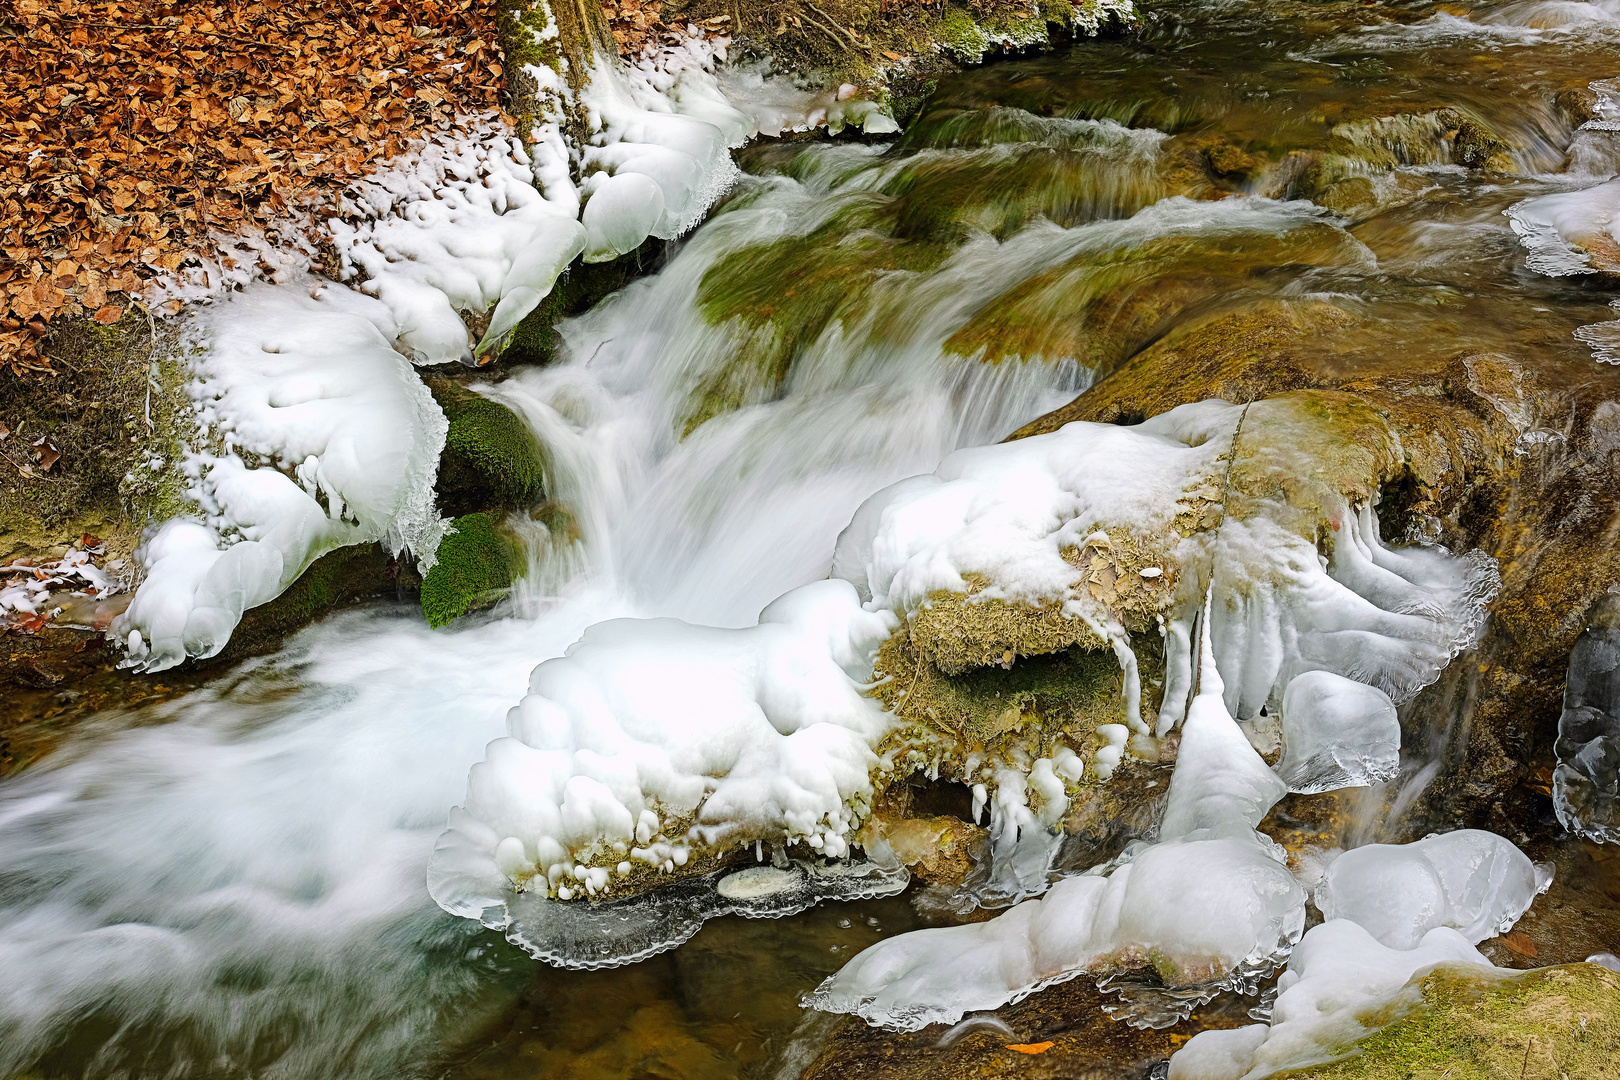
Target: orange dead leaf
1031, 1048
109, 314
1520, 943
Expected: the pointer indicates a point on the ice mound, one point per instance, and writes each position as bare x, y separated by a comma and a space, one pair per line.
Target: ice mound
313, 434
1337, 975
1586, 783
1393, 913
1572, 232
1337, 733
1094, 532
655, 745
1211, 902
1473, 881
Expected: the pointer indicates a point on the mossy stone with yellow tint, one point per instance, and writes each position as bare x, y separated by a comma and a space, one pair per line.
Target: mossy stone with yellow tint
491, 459
1472, 1024
476, 567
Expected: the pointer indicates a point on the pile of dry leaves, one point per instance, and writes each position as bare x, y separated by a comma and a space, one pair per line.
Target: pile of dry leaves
132, 131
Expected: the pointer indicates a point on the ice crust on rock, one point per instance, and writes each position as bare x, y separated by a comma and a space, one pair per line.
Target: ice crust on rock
313, 434
1013, 516
1213, 899
1393, 912
1337, 733
1337, 974
1572, 232
1586, 783
1472, 881
654, 740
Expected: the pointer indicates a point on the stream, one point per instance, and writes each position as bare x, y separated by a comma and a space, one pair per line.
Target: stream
230, 883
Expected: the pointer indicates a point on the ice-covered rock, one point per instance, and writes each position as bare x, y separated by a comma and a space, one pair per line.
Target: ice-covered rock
313, 434
1473, 881
1337, 733
655, 744
1211, 901
1337, 977
1571, 232
1393, 913
1586, 783
1093, 532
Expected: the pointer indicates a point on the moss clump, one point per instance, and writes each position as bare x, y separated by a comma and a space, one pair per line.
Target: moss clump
476, 567
1476, 146
1076, 689
1547, 1024
490, 459
955, 633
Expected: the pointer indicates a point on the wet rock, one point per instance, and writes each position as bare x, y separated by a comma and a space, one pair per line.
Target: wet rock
1085, 1043
1586, 783
490, 460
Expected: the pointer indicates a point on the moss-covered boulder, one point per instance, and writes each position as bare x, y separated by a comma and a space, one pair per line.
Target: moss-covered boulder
490, 459
477, 565
1548, 1024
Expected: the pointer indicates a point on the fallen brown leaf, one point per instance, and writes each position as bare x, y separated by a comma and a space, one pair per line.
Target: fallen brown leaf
46, 453
1519, 942
1031, 1048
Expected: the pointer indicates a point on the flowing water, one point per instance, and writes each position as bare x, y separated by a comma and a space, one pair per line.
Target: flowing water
231, 883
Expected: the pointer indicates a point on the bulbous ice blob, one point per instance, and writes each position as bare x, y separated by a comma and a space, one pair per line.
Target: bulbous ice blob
1472, 881
621, 213
1338, 976
1586, 783
1337, 733
1211, 900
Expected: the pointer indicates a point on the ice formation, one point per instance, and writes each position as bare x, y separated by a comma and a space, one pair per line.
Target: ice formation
313, 434
1211, 902
1473, 881
1586, 783
1393, 913
1111, 531
655, 742
1572, 232
1337, 733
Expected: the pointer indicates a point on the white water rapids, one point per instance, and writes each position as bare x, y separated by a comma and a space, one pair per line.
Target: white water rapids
233, 883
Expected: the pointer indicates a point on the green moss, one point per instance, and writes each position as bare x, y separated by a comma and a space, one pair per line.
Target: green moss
476, 567
1476, 146
490, 457
1543, 1025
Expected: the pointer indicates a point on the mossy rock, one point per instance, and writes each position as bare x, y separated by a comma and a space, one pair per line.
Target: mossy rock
1547, 1024
476, 567
490, 459
579, 288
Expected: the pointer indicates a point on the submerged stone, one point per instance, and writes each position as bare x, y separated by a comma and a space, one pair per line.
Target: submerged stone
1586, 783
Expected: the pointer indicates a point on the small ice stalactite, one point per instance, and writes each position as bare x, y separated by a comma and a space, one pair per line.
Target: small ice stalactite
1337, 733
1393, 912
1586, 783
1210, 906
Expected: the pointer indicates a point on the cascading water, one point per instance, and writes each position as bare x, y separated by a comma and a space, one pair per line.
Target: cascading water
234, 883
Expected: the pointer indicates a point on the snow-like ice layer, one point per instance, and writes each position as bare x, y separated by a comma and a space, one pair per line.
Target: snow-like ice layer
454, 227
653, 736
1213, 899
1393, 913
1572, 232
1007, 514
313, 434
1602, 338
1337, 975
1586, 783
1472, 881
1337, 733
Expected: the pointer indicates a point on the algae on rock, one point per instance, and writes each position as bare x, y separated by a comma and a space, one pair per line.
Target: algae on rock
490, 459
477, 565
